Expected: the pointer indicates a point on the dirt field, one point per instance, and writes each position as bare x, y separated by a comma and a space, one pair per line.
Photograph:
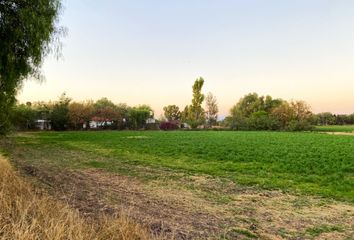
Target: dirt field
197, 207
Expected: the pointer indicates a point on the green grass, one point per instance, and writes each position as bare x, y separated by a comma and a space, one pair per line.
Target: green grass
309, 163
316, 231
335, 128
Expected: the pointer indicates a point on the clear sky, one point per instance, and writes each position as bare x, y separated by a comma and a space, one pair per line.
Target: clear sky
150, 52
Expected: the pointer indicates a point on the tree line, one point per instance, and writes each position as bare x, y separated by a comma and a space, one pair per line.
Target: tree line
327, 118
254, 112
193, 115
65, 114
29, 31
251, 112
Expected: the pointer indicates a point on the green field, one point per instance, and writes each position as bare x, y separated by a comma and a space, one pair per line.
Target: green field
309, 163
335, 128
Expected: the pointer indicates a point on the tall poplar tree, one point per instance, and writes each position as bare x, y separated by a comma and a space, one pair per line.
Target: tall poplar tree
195, 115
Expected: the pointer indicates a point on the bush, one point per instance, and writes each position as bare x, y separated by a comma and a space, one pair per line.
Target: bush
152, 126
168, 126
295, 125
23, 117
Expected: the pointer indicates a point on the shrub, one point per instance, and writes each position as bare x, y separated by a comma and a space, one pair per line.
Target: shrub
168, 126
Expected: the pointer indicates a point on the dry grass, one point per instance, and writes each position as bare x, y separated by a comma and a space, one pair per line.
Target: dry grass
25, 214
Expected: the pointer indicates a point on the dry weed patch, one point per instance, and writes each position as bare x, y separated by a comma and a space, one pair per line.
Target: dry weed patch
26, 214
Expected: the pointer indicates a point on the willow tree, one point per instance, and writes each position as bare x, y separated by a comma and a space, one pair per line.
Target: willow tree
28, 30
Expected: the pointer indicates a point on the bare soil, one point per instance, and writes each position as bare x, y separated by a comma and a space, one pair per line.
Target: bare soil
197, 207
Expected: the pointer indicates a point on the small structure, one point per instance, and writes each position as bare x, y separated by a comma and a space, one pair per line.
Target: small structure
185, 126
43, 124
100, 124
150, 120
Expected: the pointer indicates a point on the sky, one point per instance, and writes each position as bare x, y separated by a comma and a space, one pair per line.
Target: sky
150, 52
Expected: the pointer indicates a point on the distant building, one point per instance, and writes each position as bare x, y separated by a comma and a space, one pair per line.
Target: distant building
150, 120
99, 124
42, 124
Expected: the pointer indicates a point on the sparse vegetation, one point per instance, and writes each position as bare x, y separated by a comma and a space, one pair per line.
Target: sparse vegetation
27, 214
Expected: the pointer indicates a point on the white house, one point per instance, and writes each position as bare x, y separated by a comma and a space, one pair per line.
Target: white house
42, 124
150, 120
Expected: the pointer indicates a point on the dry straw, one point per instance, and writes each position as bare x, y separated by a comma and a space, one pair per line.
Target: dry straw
27, 215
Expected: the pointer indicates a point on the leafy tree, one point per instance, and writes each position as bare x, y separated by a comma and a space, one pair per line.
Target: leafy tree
342, 119
122, 115
43, 110
138, 116
351, 119
211, 109
251, 112
301, 109
105, 111
27, 29
60, 113
195, 114
80, 113
294, 116
269, 103
255, 112
23, 117
104, 103
326, 118
261, 120
247, 105
172, 113
284, 113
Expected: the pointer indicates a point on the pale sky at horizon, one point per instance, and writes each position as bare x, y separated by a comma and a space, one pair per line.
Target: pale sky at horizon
150, 52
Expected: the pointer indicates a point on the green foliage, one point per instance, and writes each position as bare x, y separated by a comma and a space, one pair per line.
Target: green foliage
64, 114
255, 112
316, 231
23, 117
310, 163
335, 128
172, 113
261, 120
80, 113
235, 232
107, 111
211, 109
137, 116
327, 118
43, 110
104, 103
60, 113
194, 114
26, 30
